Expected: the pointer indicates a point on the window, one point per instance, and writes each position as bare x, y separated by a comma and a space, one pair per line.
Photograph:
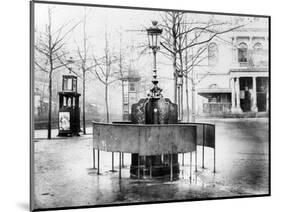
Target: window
243, 53
126, 108
132, 86
258, 47
213, 54
258, 54
126, 99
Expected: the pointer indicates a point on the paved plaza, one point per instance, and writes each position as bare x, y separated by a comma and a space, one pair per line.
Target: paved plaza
64, 174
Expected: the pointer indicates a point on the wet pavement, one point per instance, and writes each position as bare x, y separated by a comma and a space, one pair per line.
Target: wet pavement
64, 174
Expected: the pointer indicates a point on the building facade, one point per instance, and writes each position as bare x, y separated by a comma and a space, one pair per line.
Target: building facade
234, 78
130, 92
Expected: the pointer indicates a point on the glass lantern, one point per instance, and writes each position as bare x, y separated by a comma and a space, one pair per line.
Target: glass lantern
153, 33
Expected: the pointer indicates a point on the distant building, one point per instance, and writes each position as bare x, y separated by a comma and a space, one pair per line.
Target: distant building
130, 92
234, 79
41, 96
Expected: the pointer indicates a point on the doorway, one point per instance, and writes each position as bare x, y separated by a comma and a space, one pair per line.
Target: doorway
246, 83
262, 90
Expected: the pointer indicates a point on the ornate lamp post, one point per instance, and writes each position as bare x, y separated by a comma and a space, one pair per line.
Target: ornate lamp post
154, 110
153, 34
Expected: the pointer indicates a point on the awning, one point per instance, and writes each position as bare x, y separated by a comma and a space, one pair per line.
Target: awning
206, 92
213, 90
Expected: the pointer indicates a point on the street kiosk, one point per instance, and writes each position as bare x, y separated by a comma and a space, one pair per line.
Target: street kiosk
69, 111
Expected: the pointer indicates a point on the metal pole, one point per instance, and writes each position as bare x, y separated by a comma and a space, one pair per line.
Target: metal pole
182, 159
120, 164
154, 60
138, 166
203, 147
150, 167
190, 165
144, 168
94, 158
98, 161
123, 160
215, 160
196, 158
112, 162
171, 167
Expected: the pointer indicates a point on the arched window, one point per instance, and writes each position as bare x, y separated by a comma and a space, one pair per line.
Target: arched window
258, 47
213, 52
242, 53
258, 54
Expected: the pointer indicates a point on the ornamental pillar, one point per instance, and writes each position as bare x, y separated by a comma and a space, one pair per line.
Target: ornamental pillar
254, 97
237, 86
232, 85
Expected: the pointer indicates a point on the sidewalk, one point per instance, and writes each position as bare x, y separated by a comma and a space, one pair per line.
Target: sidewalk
64, 174
42, 134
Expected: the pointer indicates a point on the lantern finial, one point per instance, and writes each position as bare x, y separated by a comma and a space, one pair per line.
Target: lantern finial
154, 23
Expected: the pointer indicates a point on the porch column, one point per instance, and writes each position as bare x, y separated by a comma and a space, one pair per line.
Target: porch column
237, 86
254, 99
232, 95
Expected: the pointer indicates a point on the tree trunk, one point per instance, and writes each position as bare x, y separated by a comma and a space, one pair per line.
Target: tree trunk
193, 103
174, 36
193, 96
106, 103
181, 102
175, 78
123, 99
84, 90
186, 84
178, 103
50, 76
50, 107
187, 101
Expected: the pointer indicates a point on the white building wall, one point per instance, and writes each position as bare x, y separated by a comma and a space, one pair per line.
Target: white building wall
219, 74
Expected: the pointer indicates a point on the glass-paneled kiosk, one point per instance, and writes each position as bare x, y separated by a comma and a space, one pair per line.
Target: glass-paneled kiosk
69, 111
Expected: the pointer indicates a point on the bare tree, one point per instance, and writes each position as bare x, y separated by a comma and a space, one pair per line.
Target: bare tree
121, 71
182, 35
86, 63
105, 73
126, 63
49, 52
